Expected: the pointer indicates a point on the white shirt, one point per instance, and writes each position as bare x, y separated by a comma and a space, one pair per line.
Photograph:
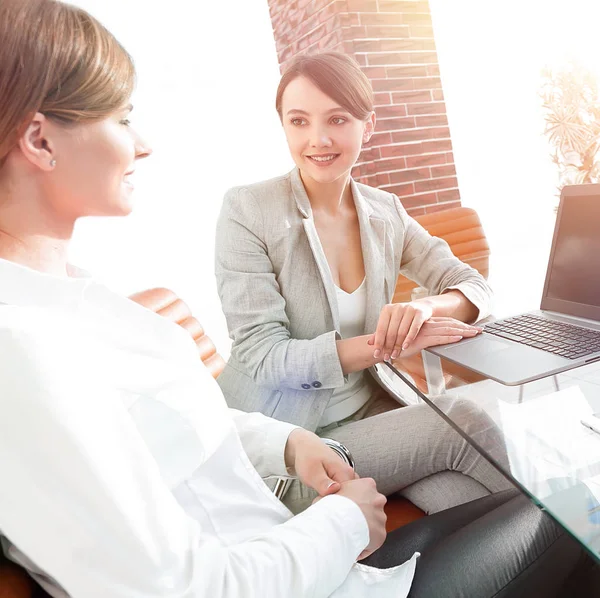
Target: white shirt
348, 399
124, 474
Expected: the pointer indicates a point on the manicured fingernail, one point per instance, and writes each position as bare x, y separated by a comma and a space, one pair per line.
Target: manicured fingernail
394, 354
386, 356
405, 346
377, 354
329, 485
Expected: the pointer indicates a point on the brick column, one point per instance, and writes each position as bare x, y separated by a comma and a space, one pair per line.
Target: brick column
411, 151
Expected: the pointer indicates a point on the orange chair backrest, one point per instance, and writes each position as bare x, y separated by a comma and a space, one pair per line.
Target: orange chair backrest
461, 229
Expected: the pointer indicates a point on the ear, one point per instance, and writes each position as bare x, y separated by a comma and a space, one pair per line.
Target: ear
35, 143
369, 127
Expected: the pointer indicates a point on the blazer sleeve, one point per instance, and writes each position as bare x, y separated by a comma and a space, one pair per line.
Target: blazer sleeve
84, 499
255, 309
429, 261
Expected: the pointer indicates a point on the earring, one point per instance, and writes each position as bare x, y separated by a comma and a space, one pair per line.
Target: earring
53, 162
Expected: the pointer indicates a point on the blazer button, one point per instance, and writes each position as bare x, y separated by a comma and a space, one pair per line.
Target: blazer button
317, 384
306, 386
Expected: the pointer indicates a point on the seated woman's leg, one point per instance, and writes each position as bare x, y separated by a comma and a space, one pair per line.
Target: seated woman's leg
401, 447
422, 535
501, 546
444, 490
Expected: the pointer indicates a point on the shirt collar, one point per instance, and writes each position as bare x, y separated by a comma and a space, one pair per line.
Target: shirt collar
20, 285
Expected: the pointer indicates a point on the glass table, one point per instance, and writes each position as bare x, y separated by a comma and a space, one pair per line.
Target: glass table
532, 433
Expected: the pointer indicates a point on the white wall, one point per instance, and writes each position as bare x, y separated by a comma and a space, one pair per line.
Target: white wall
207, 75
491, 55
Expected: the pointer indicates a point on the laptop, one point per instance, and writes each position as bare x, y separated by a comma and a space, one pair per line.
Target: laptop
565, 332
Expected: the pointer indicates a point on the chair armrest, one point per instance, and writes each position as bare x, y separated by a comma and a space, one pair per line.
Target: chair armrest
283, 482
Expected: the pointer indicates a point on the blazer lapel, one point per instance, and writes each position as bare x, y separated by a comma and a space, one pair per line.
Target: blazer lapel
303, 205
372, 236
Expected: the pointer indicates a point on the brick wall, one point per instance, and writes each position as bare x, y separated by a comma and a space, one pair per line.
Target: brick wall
411, 152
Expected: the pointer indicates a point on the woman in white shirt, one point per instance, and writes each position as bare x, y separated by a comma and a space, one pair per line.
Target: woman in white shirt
306, 267
123, 472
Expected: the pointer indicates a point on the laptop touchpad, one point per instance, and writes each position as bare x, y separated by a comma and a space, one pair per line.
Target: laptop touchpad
484, 346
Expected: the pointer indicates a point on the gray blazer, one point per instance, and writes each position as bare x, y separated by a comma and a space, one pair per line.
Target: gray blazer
279, 298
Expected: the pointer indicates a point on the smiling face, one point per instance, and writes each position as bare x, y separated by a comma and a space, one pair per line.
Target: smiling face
95, 162
324, 139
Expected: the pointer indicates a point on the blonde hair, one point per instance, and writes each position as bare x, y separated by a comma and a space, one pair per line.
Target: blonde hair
57, 59
337, 76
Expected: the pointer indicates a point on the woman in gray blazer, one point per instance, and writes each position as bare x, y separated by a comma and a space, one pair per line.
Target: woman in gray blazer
306, 266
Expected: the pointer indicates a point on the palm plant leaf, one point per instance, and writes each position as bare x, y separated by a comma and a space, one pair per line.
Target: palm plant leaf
571, 107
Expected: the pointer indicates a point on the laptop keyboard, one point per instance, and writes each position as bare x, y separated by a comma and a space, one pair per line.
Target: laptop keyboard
536, 331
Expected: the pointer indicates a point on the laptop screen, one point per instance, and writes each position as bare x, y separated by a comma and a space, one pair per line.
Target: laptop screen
573, 277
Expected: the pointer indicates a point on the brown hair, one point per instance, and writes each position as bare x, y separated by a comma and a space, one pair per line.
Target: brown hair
337, 76
58, 60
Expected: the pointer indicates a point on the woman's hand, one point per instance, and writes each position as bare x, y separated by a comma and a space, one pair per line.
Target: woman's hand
440, 331
398, 326
315, 464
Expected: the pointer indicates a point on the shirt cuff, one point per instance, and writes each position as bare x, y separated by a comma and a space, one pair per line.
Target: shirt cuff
347, 513
275, 440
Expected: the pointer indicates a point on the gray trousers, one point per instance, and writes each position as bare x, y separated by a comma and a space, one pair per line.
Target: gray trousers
413, 451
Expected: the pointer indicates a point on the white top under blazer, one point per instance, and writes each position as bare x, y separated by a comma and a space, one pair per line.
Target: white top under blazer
349, 398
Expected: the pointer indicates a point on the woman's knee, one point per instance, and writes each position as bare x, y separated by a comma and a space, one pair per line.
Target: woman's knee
471, 419
460, 410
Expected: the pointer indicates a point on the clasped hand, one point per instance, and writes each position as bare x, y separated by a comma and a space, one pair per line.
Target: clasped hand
318, 467
408, 328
